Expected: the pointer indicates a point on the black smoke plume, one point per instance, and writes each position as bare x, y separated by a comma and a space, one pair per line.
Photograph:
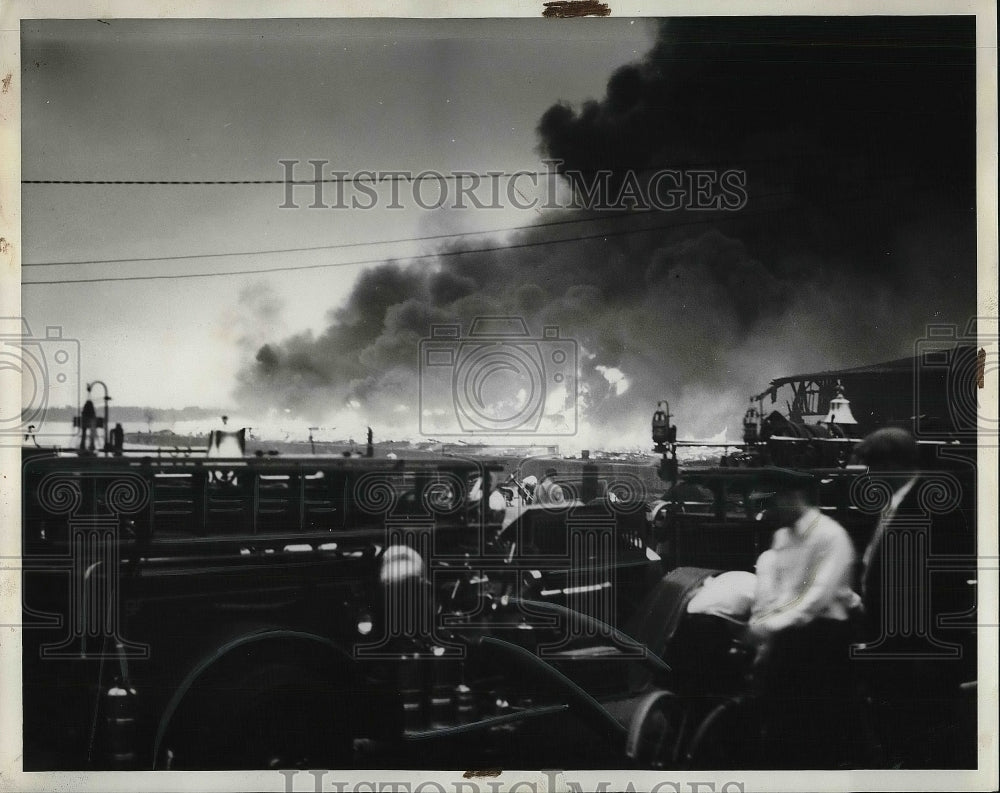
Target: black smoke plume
857, 137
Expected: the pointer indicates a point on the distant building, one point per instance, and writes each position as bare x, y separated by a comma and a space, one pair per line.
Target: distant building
500, 450
933, 394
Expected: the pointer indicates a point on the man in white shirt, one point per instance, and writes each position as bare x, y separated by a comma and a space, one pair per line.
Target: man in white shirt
802, 625
807, 573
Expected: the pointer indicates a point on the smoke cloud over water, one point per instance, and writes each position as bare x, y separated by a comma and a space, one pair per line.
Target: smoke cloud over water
857, 138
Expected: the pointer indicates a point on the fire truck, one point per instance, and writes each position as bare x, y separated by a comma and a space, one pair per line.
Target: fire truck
199, 613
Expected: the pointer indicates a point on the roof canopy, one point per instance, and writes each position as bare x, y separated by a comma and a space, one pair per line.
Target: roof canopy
898, 367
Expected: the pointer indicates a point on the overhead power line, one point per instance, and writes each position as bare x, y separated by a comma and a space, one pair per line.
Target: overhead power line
601, 218
416, 257
400, 259
340, 245
376, 178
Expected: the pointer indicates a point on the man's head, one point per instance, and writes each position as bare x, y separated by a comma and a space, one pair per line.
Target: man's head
550, 473
887, 449
790, 503
787, 493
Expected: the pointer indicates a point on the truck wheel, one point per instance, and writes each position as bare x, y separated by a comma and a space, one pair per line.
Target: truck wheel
276, 716
656, 730
728, 737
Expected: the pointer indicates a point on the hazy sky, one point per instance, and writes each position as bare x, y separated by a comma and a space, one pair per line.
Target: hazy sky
169, 100
855, 137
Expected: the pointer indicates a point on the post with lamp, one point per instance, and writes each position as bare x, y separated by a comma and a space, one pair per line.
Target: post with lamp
665, 438
107, 399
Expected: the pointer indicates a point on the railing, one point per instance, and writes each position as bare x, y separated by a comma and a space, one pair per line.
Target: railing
190, 498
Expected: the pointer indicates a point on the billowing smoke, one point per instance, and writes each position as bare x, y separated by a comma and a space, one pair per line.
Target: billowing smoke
857, 140
259, 317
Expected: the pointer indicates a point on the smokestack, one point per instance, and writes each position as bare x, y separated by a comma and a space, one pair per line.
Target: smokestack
588, 488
